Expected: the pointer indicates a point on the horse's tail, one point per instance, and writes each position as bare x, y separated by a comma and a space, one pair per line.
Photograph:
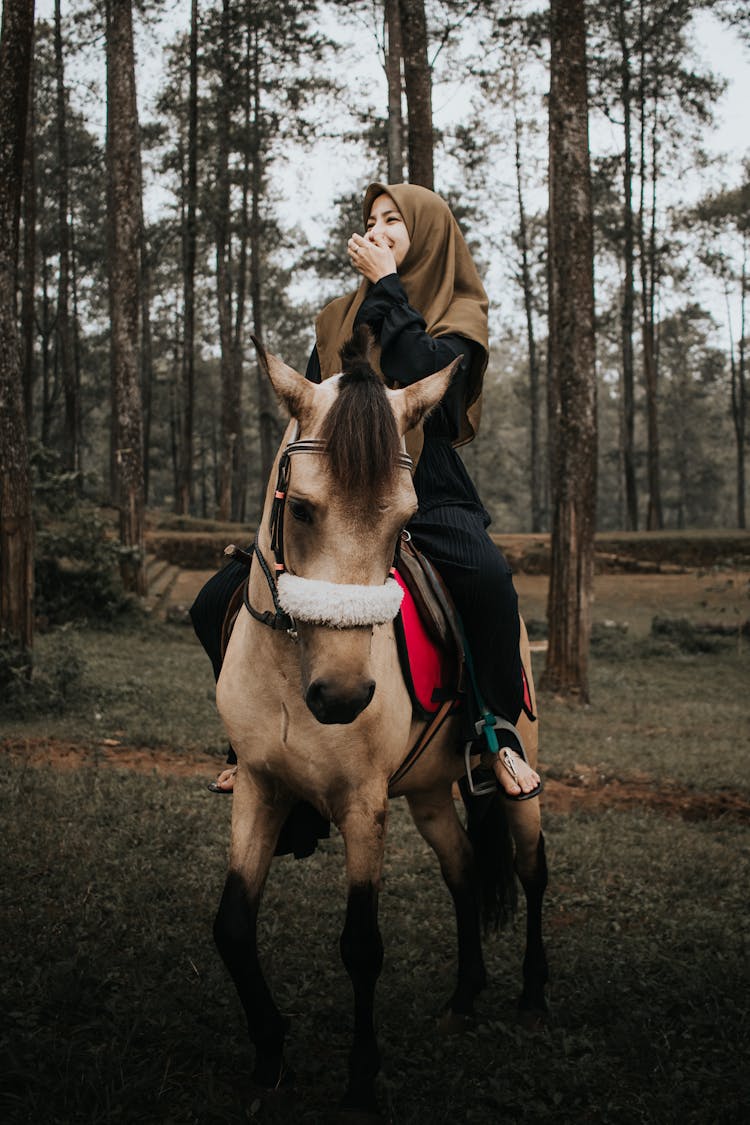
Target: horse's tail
489, 832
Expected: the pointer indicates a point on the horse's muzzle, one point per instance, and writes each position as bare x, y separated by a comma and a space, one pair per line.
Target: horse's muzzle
329, 705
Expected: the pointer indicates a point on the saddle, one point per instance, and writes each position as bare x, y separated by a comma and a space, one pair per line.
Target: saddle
428, 634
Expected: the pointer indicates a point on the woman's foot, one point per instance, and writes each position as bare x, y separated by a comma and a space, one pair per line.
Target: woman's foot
225, 781
518, 780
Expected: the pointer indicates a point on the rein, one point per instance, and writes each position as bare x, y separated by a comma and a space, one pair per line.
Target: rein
368, 604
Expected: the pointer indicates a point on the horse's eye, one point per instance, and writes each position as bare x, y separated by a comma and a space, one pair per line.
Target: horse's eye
300, 511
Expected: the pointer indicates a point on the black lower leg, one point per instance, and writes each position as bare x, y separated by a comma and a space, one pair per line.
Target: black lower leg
535, 972
236, 939
472, 976
362, 954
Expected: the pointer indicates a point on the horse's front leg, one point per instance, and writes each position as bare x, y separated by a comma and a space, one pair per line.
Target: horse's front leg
256, 822
525, 820
362, 826
531, 867
435, 816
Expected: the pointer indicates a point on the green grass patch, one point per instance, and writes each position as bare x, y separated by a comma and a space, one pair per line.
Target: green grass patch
674, 715
145, 685
118, 1009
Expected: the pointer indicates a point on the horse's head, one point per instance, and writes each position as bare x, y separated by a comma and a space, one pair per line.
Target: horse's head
343, 492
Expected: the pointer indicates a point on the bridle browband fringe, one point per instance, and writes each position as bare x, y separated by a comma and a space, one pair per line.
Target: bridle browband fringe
295, 598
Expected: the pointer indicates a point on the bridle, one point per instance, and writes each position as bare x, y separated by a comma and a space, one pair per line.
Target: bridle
368, 605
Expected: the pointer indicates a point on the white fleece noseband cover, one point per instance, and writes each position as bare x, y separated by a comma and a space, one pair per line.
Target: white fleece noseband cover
337, 605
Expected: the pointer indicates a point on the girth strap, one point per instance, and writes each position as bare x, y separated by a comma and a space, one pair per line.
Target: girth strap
422, 742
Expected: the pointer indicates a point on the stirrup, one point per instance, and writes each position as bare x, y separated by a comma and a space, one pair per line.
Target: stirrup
487, 726
485, 788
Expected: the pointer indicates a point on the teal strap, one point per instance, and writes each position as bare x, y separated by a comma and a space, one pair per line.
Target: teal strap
487, 721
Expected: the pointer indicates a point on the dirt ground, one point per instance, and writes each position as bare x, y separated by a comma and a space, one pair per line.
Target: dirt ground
721, 596
581, 788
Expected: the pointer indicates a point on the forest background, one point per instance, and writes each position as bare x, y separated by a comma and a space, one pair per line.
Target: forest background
164, 212
229, 164
304, 97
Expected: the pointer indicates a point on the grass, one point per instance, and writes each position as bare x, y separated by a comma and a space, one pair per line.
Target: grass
673, 715
117, 1008
148, 685
655, 708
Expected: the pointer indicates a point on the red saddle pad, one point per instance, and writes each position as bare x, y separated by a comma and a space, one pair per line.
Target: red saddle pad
429, 672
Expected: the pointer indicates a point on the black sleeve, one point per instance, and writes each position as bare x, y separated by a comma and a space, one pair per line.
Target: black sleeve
313, 372
407, 352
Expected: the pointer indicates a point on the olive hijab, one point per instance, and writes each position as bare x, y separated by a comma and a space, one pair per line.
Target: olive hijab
440, 280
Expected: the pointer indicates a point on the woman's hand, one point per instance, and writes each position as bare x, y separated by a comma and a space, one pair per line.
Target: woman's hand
371, 256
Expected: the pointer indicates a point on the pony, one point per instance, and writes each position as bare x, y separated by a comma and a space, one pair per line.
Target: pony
314, 703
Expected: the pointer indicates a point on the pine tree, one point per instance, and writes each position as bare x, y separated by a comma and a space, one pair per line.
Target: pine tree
124, 215
724, 218
16, 526
572, 376
63, 326
418, 86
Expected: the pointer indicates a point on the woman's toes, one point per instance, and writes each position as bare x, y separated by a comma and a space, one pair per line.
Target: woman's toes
225, 780
514, 774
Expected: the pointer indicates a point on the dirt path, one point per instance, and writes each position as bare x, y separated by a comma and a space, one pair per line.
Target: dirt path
582, 788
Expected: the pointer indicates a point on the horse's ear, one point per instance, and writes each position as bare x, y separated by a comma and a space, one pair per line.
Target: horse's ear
291, 387
415, 402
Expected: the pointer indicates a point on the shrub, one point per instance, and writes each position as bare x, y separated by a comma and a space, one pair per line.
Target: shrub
55, 682
77, 572
682, 634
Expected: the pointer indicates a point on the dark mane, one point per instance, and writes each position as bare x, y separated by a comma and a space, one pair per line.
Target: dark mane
360, 429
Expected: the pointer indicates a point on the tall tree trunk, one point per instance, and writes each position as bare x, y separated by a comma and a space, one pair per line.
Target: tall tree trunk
76, 340
572, 389
28, 278
189, 238
46, 328
535, 473
66, 362
230, 399
145, 349
418, 84
124, 219
204, 490
267, 417
648, 267
628, 294
393, 63
250, 156
146, 354
739, 391
16, 523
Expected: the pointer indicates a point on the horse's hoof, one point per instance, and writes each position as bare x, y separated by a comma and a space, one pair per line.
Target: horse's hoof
532, 1019
273, 1104
455, 1023
274, 1107
361, 1117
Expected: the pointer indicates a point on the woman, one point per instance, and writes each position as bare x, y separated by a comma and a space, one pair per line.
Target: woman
421, 296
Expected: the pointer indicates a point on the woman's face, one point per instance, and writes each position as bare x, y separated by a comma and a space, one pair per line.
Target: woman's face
386, 223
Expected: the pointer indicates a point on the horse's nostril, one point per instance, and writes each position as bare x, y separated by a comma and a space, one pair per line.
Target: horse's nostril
329, 704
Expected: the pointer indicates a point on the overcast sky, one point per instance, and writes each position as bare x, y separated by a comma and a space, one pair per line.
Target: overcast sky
311, 181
